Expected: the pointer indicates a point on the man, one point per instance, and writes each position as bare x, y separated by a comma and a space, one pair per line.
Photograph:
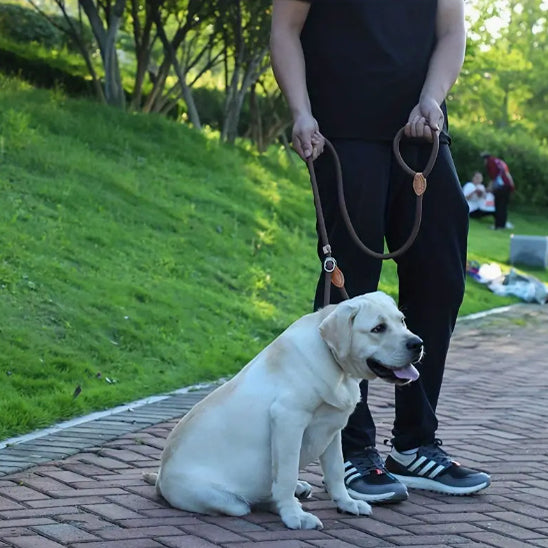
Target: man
501, 185
356, 71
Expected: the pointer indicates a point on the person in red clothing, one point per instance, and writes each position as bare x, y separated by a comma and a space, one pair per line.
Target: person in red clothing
502, 185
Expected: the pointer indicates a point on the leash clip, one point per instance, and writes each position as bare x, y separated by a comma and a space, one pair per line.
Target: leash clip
329, 264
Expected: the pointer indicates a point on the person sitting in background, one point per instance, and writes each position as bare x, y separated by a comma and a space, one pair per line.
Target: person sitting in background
480, 201
502, 186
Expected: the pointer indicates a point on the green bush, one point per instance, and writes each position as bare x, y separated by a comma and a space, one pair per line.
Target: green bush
526, 157
41, 73
210, 105
26, 25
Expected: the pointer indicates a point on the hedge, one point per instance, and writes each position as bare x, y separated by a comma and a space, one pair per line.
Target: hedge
526, 157
25, 25
41, 74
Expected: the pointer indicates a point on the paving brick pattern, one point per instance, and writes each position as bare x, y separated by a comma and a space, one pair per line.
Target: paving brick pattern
86, 488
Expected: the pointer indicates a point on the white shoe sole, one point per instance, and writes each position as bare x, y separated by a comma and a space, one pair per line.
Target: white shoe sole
382, 497
432, 485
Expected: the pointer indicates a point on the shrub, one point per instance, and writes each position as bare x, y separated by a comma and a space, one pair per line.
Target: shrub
25, 25
526, 157
41, 73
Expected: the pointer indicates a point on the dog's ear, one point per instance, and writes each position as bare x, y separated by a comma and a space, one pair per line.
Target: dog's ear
336, 329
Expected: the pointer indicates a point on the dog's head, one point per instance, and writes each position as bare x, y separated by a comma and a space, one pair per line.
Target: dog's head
368, 338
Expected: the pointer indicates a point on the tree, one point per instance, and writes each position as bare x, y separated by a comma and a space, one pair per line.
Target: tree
501, 83
105, 18
189, 53
244, 27
269, 116
76, 34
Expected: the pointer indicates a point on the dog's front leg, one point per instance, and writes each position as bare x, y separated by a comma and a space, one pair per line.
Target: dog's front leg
333, 473
287, 428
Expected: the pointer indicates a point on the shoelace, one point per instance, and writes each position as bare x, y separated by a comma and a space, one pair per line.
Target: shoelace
436, 453
371, 461
432, 451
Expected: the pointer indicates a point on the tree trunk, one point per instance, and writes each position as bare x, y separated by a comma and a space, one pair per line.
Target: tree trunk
505, 117
106, 40
236, 95
188, 98
231, 114
171, 55
143, 47
256, 119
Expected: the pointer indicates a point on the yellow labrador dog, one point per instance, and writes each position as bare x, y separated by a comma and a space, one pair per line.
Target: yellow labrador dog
243, 445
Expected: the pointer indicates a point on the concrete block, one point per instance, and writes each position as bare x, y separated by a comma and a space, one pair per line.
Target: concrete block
529, 250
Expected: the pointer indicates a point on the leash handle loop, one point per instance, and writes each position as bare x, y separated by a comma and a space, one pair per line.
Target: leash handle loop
431, 161
419, 186
346, 216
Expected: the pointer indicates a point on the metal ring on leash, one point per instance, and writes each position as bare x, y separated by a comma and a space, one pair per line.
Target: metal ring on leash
329, 264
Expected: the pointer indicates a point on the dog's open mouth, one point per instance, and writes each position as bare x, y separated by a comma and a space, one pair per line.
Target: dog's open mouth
401, 375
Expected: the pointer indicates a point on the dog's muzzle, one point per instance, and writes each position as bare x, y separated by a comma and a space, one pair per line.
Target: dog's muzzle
400, 375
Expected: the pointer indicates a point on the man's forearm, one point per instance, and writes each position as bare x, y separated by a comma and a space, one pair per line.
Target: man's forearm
289, 69
445, 66
448, 55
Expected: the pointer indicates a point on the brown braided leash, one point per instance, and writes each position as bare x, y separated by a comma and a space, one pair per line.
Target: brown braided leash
333, 274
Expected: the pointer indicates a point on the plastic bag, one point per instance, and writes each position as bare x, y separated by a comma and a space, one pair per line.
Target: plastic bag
484, 273
527, 288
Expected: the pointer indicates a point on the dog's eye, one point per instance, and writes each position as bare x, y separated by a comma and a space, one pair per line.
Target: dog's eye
379, 328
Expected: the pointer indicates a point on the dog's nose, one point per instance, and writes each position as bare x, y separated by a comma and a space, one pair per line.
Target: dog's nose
414, 343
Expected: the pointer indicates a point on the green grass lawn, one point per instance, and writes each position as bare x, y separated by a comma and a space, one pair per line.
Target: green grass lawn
138, 256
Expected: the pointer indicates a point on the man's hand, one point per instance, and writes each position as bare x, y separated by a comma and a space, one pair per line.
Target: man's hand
307, 139
425, 119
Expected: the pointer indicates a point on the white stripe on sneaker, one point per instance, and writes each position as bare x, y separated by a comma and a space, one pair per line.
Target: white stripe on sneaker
416, 464
352, 477
427, 467
439, 469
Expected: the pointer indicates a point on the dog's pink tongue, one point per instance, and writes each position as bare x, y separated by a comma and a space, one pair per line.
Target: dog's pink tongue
410, 373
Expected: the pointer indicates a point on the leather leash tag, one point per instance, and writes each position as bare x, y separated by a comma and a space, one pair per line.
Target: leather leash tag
337, 278
419, 184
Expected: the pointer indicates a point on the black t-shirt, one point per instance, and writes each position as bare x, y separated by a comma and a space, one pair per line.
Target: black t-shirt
366, 62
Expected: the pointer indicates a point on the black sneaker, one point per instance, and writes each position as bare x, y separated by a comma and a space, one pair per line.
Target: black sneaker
366, 479
431, 468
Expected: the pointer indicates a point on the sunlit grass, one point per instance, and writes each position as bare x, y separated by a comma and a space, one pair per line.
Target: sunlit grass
138, 256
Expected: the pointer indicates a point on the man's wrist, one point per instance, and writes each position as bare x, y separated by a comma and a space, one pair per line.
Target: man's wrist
302, 112
428, 96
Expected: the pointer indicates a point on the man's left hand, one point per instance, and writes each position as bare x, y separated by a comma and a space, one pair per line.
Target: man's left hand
425, 119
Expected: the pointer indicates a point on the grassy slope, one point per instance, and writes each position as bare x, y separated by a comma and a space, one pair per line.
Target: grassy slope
137, 256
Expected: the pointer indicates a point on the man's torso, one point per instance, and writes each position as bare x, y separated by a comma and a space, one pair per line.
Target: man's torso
366, 63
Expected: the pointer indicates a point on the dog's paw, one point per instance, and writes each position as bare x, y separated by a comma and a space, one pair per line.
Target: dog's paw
302, 520
303, 489
353, 506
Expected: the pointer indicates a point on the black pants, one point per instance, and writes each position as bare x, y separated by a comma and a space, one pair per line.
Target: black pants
478, 214
502, 199
381, 203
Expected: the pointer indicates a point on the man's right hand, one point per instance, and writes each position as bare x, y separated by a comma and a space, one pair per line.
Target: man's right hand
307, 139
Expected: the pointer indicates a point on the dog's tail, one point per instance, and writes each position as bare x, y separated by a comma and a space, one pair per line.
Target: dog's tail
150, 477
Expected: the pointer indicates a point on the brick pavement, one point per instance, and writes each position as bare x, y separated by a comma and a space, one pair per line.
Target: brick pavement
492, 412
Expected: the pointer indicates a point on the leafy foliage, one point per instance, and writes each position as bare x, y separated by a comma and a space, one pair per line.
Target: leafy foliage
503, 82
526, 158
25, 25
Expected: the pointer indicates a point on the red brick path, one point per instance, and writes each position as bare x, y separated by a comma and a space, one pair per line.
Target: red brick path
493, 414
